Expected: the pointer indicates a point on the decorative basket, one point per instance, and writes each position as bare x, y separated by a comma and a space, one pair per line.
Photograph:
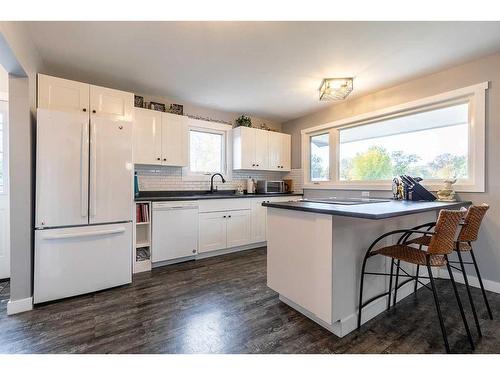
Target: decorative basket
138, 101
157, 106
177, 109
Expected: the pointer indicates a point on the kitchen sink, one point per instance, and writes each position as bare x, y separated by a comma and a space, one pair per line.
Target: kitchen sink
345, 201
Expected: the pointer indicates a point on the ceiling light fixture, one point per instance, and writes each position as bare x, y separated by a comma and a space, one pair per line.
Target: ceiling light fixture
335, 88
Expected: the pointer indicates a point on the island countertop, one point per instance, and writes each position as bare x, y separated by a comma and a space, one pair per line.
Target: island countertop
375, 211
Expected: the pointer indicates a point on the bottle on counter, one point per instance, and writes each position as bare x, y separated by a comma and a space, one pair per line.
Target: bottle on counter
250, 186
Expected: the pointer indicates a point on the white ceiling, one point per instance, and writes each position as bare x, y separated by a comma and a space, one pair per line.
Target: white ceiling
268, 69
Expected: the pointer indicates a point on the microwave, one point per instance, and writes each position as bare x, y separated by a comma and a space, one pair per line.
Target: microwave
269, 187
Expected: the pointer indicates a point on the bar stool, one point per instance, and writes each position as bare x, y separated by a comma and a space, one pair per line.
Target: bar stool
441, 243
468, 233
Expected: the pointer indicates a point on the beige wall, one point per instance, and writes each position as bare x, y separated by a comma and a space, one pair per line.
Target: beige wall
191, 109
21, 60
485, 69
4, 81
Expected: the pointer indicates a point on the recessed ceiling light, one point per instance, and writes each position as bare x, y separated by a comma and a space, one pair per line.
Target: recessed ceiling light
335, 88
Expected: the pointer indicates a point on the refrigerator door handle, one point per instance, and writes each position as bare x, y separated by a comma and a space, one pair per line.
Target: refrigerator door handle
96, 233
93, 174
83, 170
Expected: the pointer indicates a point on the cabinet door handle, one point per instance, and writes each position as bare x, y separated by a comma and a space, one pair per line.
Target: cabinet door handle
253, 165
164, 159
158, 158
229, 216
93, 111
224, 216
85, 110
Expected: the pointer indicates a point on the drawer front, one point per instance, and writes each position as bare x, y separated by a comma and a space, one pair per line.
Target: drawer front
216, 205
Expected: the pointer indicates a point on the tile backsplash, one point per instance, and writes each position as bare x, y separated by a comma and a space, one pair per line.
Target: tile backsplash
157, 178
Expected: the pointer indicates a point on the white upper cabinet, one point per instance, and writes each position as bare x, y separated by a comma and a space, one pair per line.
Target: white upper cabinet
62, 95
160, 138
279, 151
147, 136
174, 130
261, 149
111, 104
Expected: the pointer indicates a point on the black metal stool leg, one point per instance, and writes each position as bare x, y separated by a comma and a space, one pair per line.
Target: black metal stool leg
471, 301
361, 291
416, 275
438, 308
390, 285
480, 282
460, 307
396, 283
416, 279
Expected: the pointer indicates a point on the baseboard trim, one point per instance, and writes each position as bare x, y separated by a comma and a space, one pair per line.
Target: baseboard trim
209, 254
491, 286
19, 305
346, 325
230, 250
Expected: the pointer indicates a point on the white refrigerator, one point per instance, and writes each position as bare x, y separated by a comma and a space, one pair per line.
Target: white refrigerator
84, 196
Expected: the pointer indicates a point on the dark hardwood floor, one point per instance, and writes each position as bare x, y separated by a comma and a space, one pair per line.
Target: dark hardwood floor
222, 305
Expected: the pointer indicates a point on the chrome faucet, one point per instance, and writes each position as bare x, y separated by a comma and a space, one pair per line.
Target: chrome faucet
212, 181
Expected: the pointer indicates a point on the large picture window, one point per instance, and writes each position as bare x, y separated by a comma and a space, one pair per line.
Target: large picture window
432, 144
436, 138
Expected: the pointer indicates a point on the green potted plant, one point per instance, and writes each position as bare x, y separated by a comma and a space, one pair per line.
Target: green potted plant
243, 121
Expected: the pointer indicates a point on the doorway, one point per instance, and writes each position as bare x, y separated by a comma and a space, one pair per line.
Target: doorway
4, 178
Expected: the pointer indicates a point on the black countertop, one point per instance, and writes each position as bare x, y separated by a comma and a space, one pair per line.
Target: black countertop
379, 210
186, 195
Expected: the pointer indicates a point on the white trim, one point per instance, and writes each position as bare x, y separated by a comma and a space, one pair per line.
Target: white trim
348, 324
19, 306
210, 254
491, 286
215, 127
477, 99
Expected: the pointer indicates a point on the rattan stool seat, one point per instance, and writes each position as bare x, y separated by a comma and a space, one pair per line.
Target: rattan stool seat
411, 255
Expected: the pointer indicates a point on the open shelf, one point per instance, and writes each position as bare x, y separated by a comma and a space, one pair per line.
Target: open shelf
142, 238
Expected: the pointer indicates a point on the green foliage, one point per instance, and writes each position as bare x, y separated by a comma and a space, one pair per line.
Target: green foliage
449, 166
401, 162
374, 164
318, 171
244, 121
377, 164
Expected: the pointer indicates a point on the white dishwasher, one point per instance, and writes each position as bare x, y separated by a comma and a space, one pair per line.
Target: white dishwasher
175, 230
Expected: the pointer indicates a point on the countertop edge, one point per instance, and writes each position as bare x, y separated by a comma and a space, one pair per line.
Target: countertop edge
388, 215
197, 197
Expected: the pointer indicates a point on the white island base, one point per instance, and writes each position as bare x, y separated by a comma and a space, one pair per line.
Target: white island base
314, 262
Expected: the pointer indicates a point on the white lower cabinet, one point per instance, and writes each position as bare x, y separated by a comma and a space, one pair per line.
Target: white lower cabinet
221, 224
259, 220
212, 231
239, 224
221, 230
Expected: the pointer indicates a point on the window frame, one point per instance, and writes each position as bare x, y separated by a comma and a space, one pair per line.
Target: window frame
474, 95
214, 128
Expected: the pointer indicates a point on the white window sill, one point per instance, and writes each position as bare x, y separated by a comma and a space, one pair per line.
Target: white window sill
459, 188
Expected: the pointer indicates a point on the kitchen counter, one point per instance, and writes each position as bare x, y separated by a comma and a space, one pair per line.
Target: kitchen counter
315, 252
375, 210
185, 195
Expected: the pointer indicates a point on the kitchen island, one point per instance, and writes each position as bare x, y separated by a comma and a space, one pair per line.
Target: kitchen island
315, 252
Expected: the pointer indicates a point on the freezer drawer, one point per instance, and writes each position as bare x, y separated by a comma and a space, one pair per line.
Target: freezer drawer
73, 261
